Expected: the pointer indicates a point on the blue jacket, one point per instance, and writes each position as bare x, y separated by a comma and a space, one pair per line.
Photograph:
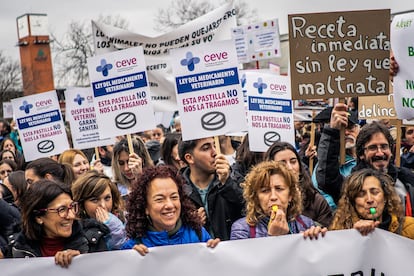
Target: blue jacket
241, 230
184, 235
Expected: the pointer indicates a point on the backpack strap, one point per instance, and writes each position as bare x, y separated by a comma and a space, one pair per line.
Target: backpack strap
252, 231
408, 207
301, 222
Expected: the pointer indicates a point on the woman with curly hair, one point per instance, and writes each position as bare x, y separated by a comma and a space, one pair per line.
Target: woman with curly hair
273, 205
369, 200
314, 204
159, 213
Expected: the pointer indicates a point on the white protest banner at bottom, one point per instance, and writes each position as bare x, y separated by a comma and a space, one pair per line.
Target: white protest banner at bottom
285, 255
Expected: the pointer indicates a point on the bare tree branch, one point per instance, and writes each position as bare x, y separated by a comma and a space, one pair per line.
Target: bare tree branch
71, 52
10, 77
182, 11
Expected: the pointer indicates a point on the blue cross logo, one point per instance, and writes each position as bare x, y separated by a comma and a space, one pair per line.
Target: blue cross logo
26, 107
260, 85
243, 80
190, 61
104, 67
79, 99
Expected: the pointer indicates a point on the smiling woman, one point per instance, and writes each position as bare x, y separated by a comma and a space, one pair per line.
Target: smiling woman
159, 213
49, 224
370, 201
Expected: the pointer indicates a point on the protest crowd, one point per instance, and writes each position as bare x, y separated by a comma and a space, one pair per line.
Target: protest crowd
154, 188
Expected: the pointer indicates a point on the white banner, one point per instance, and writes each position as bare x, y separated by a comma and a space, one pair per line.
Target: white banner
213, 26
340, 253
270, 110
209, 94
40, 124
402, 29
121, 93
81, 115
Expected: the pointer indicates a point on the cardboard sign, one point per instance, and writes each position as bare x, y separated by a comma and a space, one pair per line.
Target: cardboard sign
209, 95
81, 115
339, 54
270, 110
378, 107
7, 110
122, 96
40, 125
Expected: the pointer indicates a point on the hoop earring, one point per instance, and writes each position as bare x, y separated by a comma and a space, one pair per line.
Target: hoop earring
149, 220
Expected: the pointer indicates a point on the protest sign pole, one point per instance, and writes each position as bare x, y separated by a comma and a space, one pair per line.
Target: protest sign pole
217, 144
97, 156
398, 144
312, 142
130, 145
342, 140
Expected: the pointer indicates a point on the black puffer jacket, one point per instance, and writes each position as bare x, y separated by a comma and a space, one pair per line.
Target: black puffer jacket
96, 234
24, 248
89, 239
225, 204
9, 220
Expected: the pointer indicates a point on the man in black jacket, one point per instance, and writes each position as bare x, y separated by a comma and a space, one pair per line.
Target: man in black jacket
219, 199
374, 145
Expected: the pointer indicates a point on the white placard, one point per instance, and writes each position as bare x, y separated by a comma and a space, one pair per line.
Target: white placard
270, 110
209, 96
7, 110
257, 41
402, 28
121, 93
40, 125
81, 115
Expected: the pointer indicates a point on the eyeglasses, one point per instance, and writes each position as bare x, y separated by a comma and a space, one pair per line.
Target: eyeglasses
63, 211
156, 134
5, 172
409, 132
374, 148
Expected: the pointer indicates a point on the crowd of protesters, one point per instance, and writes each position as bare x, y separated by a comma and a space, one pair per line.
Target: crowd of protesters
166, 191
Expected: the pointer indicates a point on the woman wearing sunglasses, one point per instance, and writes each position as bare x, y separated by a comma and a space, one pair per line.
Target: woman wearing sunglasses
49, 225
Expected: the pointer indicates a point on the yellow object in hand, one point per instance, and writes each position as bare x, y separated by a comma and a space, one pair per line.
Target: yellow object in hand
273, 214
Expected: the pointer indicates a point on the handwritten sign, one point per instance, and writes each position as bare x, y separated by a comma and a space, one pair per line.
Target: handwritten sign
378, 107
402, 29
339, 54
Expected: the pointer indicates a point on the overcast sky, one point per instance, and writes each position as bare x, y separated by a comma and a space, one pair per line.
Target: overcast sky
141, 13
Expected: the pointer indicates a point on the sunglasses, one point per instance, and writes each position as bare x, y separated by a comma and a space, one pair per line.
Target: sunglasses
409, 132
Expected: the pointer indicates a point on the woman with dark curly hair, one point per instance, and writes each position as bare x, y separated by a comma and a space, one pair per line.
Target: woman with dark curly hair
273, 205
369, 200
159, 213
